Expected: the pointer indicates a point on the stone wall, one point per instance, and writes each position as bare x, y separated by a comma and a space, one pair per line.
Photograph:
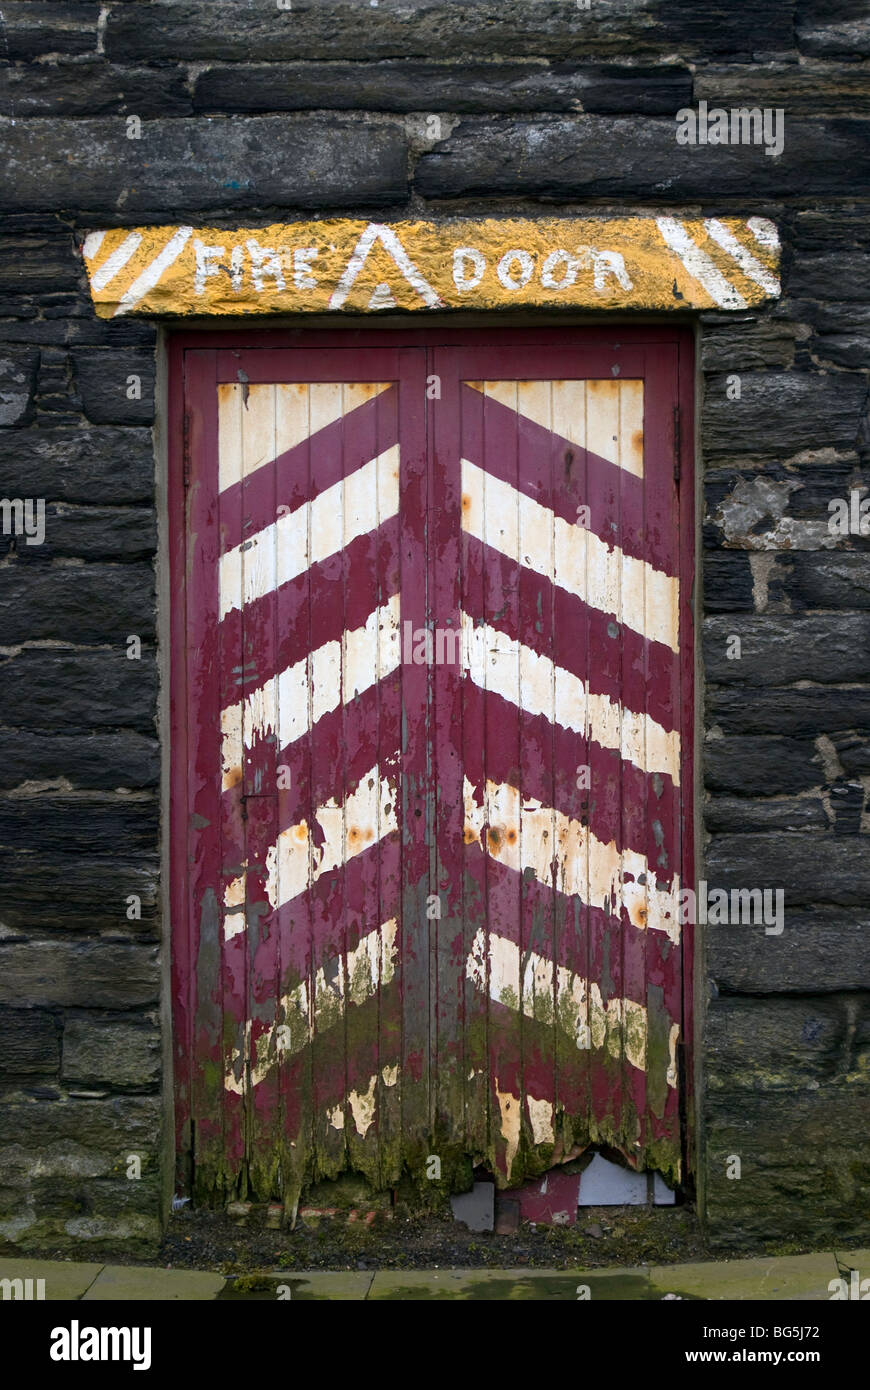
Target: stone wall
247, 112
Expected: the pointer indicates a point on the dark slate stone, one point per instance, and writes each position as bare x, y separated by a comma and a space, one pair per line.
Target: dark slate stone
117, 1203
850, 350
100, 689
459, 87
86, 604
720, 27
113, 1052
333, 29
778, 650
832, 274
637, 157
847, 803
92, 533
821, 949
746, 345
827, 581
743, 815
831, 259
32, 29
829, 226
28, 1043
754, 765
103, 379
78, 893
80, 974
647, 91
93, 88
109, 467
182, 166
824, 90
728, 584
853, 750
84, 330
795, 712
52, 824
782, 412
809, 868
18, 368
38, 264
849, 41
75, 1137
759, 1045
804, 1168
89, 762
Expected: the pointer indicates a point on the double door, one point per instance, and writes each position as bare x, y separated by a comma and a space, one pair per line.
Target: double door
431, 756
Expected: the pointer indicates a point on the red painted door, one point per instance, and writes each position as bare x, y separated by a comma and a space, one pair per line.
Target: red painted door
432, 716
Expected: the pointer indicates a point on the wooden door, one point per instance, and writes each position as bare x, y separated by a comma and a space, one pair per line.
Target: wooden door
431, 693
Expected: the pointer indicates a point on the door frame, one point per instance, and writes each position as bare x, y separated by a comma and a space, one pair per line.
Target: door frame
458, 333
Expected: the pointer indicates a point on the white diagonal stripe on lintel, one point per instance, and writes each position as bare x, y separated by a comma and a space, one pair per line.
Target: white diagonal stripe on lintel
699, 265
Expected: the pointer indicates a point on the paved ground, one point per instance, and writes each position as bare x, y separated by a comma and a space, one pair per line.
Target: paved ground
793, 1277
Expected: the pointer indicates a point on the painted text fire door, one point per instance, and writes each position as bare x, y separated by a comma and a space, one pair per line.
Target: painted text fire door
432, 767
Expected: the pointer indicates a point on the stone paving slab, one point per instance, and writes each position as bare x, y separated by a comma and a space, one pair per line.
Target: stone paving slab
128, 1283
64, 1279
493, 1285
291, 1285
786, 1278
790, 1277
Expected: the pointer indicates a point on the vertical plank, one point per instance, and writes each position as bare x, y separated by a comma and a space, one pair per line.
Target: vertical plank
328, 839
445, 538
466, 406
571, 654
360, 736
259, 681
234, 1008
391, 429
635, 834
202, 833
416, 791
502, 820
664, 961
606, 792
536, 714
295, 799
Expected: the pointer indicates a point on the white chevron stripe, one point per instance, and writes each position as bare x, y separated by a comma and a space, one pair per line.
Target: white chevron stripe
496, 662
351, 980
350, 508
699, 264
294, 863
153, 271
261, 421
540, 988
333, 674
524, 834
530, 534
752, 268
